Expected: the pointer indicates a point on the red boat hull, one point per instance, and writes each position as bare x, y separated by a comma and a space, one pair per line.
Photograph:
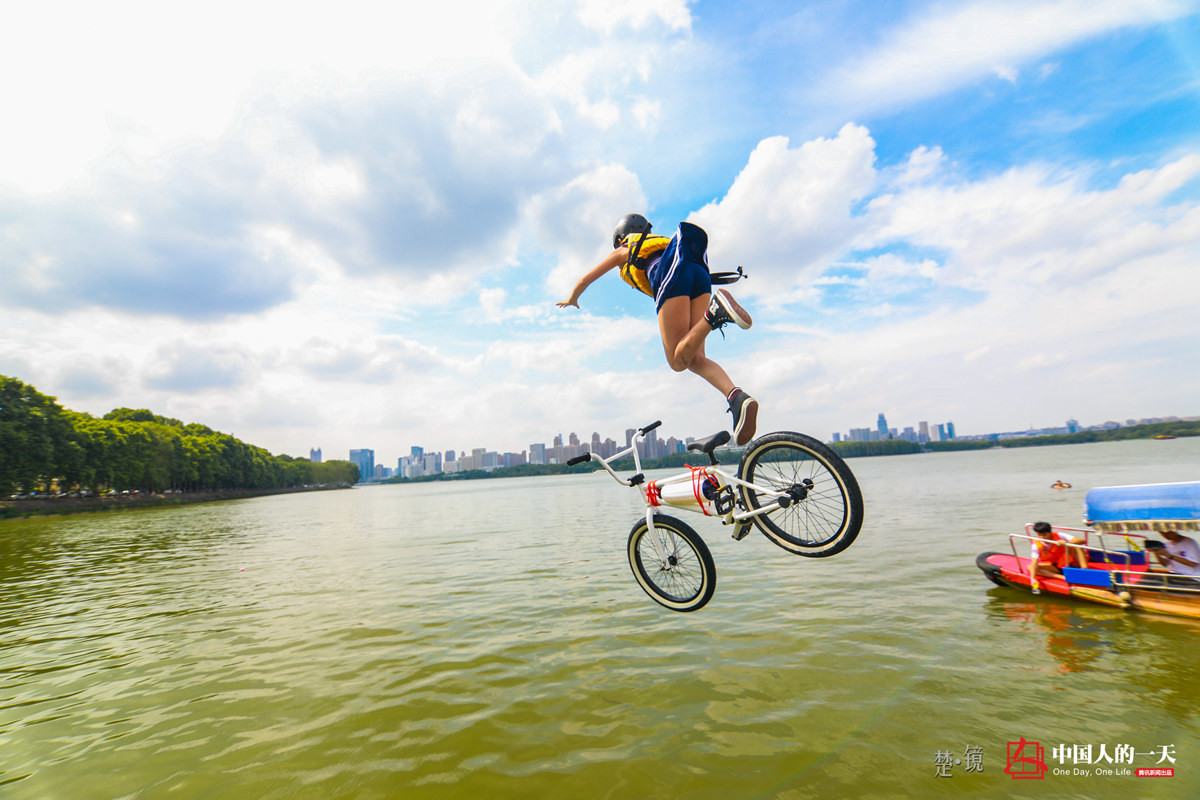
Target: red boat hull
1140, 589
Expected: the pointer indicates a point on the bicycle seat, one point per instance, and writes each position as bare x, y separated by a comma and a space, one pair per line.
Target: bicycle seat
709, 443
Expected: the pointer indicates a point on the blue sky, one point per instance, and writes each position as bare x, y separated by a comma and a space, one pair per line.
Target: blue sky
345, 225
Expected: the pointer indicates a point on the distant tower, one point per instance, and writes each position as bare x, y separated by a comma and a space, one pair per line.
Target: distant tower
315, 456
882, 426
949, 430
365, 460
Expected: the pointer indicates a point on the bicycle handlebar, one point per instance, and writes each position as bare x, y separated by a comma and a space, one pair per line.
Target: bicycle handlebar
605, 462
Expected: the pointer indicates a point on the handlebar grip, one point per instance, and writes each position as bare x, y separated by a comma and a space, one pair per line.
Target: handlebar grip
579, 459
651, 426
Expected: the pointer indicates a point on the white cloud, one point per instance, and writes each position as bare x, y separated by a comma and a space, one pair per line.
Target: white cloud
388, 185
1006, 73
609, 14
789, 210
185, 367
1030, 226
947, 46
647, 112
576, 220
147, 76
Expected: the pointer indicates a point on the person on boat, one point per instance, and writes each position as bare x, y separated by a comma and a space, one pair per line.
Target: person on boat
1050, 552
1180, 554
674, 271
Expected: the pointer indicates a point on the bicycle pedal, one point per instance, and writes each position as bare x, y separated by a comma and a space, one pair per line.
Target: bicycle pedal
741, 531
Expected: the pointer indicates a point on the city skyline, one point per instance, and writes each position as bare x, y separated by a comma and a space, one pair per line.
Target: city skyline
357, 232
606, 447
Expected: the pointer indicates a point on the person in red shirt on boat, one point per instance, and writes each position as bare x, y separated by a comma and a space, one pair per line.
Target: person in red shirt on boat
1181, 554
1050, 552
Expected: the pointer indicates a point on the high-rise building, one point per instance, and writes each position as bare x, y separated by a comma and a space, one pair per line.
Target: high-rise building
923, 432
315, 455
365, 460
537, 453
949, 430
881, 426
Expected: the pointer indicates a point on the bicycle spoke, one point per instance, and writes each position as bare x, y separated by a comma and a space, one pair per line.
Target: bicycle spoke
821, 513
673, 564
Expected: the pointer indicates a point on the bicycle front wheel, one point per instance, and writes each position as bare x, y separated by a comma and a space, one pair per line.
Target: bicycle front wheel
821, 509
673, 565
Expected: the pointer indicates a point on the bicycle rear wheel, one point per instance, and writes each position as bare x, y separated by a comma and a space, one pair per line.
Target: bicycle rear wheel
674, 565
822, 512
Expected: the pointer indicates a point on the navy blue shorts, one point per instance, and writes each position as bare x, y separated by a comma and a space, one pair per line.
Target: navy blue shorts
682, 271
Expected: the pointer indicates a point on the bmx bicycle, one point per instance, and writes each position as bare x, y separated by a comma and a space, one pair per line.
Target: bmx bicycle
794, 489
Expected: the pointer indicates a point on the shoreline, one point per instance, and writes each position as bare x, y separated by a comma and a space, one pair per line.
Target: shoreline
62, 506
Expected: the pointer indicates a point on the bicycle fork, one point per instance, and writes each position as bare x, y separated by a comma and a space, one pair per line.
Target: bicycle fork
666, 559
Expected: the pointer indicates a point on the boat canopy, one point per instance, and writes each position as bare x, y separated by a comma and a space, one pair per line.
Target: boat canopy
1148, 507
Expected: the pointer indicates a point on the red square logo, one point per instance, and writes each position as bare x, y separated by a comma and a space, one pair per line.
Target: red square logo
1026, 760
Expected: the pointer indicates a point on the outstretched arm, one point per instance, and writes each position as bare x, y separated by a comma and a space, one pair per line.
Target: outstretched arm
615, 258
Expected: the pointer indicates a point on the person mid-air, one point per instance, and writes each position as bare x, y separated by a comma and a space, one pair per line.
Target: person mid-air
674, 271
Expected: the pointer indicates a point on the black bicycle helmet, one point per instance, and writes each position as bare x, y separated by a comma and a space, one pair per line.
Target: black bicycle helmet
630, 223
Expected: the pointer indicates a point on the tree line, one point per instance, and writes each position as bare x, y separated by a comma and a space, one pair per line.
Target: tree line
1149, 430
43, 445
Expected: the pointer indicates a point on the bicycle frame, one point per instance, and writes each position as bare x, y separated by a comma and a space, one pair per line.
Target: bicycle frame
732, 516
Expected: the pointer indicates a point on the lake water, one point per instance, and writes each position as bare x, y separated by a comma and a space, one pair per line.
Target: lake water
486, 639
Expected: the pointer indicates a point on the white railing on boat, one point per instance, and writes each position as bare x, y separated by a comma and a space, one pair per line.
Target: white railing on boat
1128, 579
1169, 582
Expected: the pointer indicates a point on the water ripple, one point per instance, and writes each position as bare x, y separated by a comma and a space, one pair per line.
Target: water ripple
472, 640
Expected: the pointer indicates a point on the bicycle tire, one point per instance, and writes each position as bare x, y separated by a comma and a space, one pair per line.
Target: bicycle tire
687, 578
825, 515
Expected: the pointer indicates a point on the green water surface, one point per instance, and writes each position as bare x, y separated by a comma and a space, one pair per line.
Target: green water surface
486, 639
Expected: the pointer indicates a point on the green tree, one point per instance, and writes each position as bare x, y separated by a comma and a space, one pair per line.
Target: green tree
35, 437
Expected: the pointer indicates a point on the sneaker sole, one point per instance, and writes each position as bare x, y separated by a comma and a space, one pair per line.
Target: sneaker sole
739, 314
745, 431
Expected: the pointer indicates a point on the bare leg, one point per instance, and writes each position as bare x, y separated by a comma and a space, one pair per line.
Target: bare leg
681, 323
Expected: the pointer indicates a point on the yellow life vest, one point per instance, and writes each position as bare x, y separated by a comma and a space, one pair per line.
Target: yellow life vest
643, 254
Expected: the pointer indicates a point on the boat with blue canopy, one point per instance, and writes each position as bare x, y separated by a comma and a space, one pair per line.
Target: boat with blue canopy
1114, 557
